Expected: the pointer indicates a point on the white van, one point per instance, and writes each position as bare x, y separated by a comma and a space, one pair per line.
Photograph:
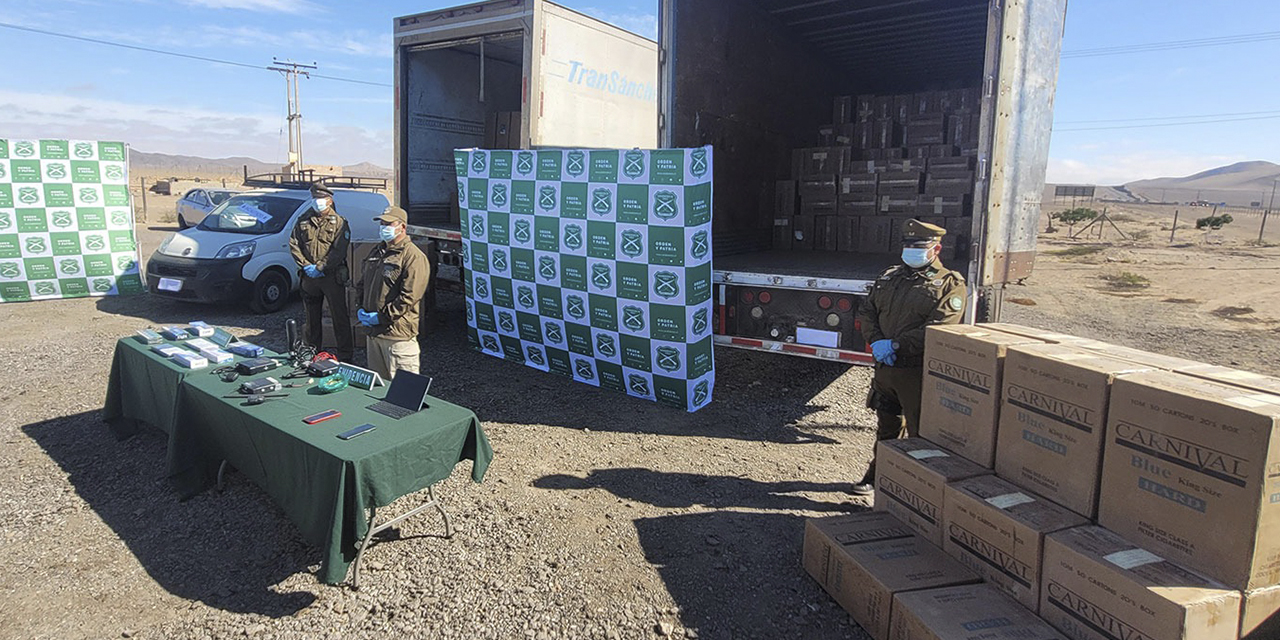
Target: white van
240, 251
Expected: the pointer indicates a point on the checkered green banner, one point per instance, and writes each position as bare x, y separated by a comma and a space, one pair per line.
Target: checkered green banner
593, 264
66, 224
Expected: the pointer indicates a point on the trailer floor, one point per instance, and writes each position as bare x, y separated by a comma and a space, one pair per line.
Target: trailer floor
823, 264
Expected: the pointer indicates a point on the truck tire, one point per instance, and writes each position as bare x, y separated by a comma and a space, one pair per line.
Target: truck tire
270, 292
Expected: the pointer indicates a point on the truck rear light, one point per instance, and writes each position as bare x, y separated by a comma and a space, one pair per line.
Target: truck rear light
833, 320
765, 297
757, 313
824, 302
844, 304
748, 297
733, 312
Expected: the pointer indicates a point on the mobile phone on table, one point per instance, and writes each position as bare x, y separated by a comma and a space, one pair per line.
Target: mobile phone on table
322, 416
360, 430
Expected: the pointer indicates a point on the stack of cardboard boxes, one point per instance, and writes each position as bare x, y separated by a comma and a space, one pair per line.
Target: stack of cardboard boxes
885, 159
1108, 492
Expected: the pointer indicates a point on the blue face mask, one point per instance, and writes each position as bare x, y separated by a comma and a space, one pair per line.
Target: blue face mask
915, 258
387, 233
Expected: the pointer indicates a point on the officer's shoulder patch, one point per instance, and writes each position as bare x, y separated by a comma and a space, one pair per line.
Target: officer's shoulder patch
956, 303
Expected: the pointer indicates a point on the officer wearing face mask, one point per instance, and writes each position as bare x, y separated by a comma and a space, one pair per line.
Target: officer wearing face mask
319, 246
394, 279
902, 302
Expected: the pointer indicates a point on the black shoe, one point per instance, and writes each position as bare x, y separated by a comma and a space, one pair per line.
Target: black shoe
863, 489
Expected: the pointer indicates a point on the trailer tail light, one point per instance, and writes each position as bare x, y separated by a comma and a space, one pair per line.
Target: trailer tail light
824, 302
844, 304
765, 297
833, 320
748, 297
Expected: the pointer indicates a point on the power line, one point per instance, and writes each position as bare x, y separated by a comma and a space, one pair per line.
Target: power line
1173, 45
1167, 124
1210, 115
173, 53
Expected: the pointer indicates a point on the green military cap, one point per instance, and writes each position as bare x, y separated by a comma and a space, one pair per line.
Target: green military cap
915, 231
318, 190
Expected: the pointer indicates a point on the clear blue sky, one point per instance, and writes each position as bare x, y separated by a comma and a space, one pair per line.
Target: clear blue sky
60, 88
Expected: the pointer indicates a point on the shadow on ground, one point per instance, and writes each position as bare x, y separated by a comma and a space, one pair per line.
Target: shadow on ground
225, 549
734, 573
758, 396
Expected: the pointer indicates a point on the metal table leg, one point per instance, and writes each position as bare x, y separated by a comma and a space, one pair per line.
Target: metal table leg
432, 501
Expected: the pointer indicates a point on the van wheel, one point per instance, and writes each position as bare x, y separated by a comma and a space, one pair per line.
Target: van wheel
270, 292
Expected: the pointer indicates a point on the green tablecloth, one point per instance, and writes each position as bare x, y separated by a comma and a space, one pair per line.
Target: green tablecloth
322, 483
143, 388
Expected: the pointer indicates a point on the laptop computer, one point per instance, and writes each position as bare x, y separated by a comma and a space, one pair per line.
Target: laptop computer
406, 395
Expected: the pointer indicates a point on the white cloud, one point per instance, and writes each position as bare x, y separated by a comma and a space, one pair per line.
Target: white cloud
645, 24
1116, 169
265, 6
184, 130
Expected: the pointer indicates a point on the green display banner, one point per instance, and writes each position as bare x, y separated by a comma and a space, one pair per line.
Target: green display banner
66, 222
593, 264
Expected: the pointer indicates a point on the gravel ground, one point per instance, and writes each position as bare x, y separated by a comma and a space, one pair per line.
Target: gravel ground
601, 516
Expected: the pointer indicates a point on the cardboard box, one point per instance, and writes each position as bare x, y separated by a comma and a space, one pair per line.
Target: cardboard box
842, 111
862, 135
1235, 377
906, 183
824, 206
864, 105
1260, 614
882, 107
1051, 337
926, 102
925, 129
950, 183
945, 206
960, 407
858, 204
902, 107
905, 164
911, 479
515, 132
1153, 360
965, 613
1099, 586
865, 577
783, 235
966, 100
1190, 471
962, 130
997, 529
825, 537
818, 187
873, 234
887, 133
939, 165
828, 230
847, 238
784, 198
802, 229
1052, 421
869, 166
857, 183
904, 205
822, 160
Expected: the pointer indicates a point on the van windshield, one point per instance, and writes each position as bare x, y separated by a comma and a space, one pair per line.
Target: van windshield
251, 214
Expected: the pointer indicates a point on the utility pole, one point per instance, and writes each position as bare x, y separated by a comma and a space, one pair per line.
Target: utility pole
291, 70
1266, 213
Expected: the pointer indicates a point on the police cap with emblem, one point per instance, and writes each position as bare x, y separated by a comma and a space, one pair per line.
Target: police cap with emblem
394, 214
915, 232
320, 191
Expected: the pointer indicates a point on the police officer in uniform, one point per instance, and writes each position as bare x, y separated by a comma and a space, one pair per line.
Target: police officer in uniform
393, 280
319, 246
902, 302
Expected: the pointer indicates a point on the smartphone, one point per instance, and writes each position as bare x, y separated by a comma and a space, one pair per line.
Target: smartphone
360, 430
322, 416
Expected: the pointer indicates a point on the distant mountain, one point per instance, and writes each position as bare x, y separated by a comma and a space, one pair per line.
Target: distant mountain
1242, 184
161, 164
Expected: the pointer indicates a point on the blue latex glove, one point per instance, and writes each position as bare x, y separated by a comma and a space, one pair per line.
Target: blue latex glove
312, 271
367, 318
882, 350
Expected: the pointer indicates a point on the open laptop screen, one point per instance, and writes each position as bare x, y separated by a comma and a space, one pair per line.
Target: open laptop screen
408, 390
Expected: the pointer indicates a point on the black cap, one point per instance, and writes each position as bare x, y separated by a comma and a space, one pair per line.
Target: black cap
320, 191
